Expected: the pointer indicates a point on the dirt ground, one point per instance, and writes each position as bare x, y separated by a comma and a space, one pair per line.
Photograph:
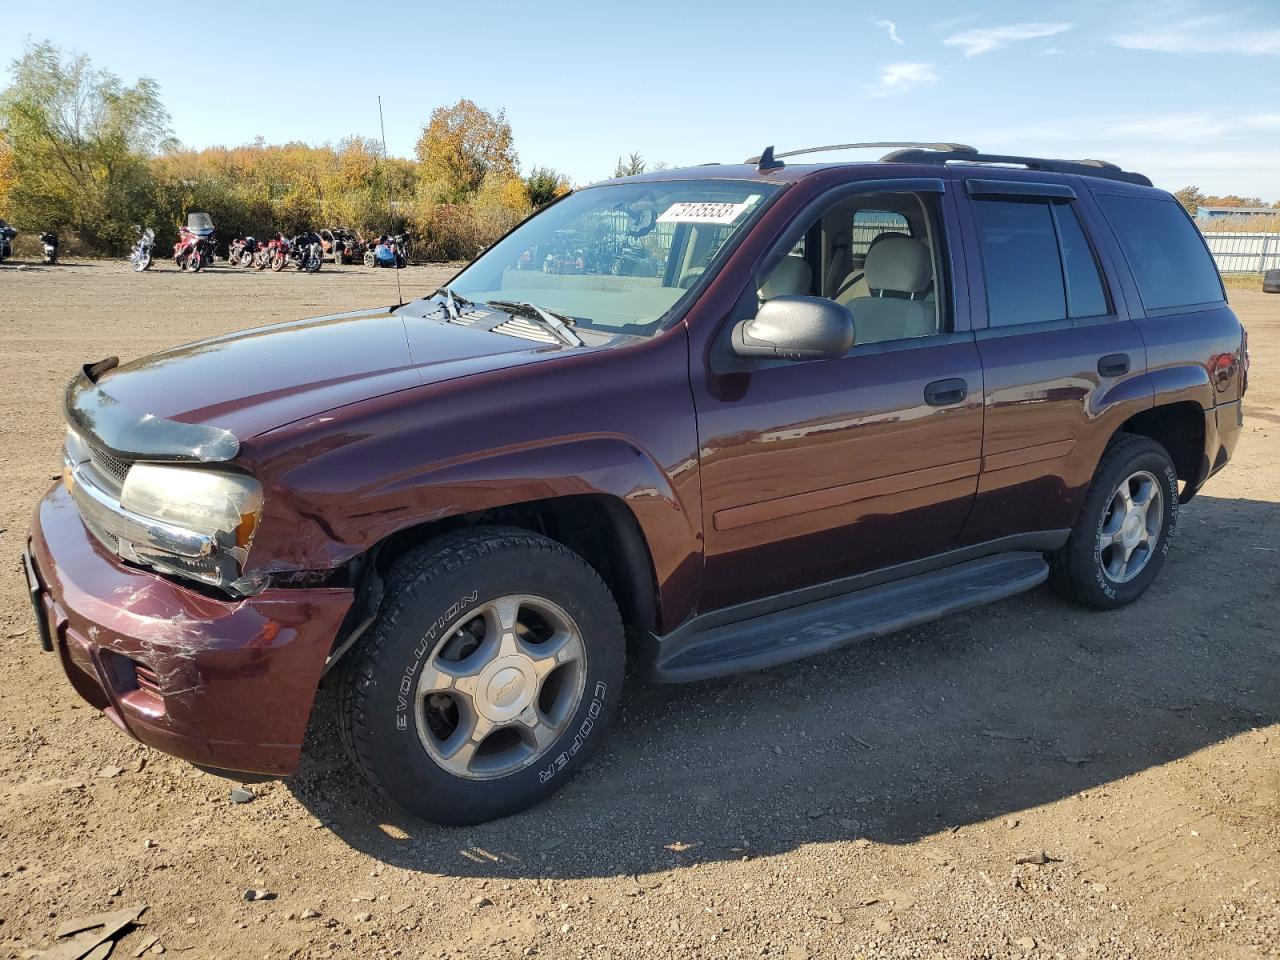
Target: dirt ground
873, 803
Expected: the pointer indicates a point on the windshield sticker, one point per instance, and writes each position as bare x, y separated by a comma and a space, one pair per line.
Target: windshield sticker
703, 212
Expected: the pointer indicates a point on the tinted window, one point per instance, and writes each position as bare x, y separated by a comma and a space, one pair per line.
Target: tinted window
1164, 250
1020, 261
1085, 297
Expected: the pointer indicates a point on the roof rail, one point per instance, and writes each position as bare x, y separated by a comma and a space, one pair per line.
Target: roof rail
940, 147
1083, 168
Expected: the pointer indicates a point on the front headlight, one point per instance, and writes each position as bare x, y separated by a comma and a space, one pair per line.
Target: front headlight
224, 506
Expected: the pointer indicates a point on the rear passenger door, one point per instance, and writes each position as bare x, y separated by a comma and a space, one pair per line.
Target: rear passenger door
1062, 361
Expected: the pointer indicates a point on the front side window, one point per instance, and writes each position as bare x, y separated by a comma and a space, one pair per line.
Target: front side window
1164, 250
617, 257
894, 278
1037, 262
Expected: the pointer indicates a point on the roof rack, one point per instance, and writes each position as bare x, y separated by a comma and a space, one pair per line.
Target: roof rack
911, 152
1083, 168
769, 155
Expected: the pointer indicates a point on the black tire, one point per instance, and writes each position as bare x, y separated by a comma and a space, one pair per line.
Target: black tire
429, 589
1076, 571
1271, 281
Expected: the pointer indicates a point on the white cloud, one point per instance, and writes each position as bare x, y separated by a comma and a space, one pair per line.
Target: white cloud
986, 39
890, 28
1201, 35
902, 77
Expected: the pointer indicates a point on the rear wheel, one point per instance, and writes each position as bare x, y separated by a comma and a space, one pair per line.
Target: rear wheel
1125, 528
495, 664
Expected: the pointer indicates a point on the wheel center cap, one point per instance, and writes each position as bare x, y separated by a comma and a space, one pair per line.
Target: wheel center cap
506, 687
1131, 532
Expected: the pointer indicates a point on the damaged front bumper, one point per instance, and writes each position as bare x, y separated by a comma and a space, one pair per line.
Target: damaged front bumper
227, 684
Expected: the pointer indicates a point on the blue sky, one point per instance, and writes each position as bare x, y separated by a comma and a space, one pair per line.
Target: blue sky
1184, 90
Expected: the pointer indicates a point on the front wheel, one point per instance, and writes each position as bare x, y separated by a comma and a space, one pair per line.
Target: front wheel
1125, 528
494, 667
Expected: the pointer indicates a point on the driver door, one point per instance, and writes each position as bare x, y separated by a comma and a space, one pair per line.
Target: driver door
818, 470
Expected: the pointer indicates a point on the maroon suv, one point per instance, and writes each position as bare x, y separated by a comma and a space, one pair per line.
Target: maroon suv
838, 400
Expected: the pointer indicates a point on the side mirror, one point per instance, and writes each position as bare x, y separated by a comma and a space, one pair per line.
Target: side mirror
796, 328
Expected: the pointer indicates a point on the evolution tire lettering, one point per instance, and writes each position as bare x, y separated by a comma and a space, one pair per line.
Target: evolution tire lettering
404, 696
562, 759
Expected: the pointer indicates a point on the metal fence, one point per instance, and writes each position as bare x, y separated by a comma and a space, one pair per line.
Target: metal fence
1244, 252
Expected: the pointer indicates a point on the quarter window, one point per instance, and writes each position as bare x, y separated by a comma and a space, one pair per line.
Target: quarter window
1038, 264
1165, 251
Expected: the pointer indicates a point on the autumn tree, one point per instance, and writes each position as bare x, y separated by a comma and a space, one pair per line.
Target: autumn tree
1191, 198
462, 146
81, 144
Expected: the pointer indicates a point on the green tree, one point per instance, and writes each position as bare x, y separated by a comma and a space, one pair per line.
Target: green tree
461, 147
545, 185
81, 144
629, 167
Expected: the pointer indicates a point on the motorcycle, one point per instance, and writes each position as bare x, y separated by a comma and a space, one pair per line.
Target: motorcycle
306, 252
140, 259
49, 240
190, 251
277, 253
7, 233
241, 252
196, 241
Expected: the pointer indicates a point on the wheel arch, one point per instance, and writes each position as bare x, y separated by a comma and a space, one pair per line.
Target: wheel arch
600, 528
1179, 428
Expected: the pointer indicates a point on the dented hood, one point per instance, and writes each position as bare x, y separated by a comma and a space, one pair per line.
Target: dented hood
234, 387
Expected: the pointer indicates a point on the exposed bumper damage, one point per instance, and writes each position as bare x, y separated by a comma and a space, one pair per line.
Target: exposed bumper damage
220, 683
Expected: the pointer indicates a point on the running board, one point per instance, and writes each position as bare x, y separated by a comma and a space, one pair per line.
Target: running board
695, 652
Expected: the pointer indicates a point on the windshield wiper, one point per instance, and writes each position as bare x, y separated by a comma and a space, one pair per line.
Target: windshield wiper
559, 326
451, 301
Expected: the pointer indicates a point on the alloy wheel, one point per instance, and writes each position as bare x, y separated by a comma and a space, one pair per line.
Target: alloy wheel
501, 687
1131, 527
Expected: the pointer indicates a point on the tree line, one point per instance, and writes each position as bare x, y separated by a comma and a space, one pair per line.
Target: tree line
86, 155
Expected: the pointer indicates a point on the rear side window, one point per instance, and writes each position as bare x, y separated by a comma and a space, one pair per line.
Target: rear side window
869, 224
1037, 262
1164, 250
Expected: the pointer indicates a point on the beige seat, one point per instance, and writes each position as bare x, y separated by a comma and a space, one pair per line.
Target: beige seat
899, 272
854, 284
792, 276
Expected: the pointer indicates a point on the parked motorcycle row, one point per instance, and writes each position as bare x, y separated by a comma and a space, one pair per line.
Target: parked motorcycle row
306, 251
197, 242
303, 252
48, 243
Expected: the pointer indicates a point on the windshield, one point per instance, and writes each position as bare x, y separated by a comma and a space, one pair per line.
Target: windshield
616, 257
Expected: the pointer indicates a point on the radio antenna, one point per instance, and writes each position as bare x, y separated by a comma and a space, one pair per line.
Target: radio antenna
391, 210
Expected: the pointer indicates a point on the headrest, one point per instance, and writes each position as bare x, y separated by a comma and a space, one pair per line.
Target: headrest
792, 276
898, 263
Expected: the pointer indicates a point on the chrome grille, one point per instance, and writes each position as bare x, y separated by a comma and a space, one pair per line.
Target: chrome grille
107, 464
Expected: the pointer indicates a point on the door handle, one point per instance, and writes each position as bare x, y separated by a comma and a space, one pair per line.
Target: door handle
1114, 365
943, 393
